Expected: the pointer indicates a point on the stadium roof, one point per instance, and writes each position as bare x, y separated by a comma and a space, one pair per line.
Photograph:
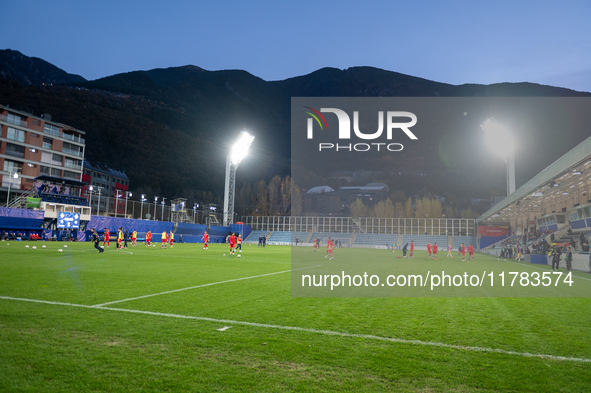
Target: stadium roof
59, 180
100, 167
319, 189
567, 177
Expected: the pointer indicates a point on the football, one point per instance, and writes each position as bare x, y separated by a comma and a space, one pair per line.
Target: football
34, 247
239, 255
43, 246
27, 246
65, 246
224, 254
60, 250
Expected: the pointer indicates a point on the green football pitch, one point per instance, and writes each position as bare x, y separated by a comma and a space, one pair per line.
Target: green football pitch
186, 319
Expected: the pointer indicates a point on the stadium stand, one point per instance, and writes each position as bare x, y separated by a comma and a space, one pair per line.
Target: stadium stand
368, 239
279, 237
253, 238
464, 239
420, 241
345, 238
301, 236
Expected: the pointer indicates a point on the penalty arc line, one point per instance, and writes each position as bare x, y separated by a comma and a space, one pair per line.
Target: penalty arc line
199, 286
315, 331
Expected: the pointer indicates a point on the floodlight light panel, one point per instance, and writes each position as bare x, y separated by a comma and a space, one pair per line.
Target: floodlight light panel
498, 138
240, 148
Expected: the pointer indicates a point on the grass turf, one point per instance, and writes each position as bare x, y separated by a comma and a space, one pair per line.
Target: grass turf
50, 347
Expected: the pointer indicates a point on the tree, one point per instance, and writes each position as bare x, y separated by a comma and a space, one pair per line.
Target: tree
408, 209
384, 209
275, 199
399, 209
261, 199
451, 212
296, 199
469, 213
358, 209
429, 208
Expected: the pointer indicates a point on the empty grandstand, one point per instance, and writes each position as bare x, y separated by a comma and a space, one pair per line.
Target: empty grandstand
254, 236
420, 241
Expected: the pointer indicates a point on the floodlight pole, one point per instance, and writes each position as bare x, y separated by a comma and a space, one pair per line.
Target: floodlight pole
9, 184
510, 162
127, 195
90, 199
230, 187
508, 155
155, 200
142, 207
98, 206
162, 215
233, 159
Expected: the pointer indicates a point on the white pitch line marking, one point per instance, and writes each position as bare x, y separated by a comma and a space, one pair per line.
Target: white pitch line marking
199, 286
316, 331
223, 329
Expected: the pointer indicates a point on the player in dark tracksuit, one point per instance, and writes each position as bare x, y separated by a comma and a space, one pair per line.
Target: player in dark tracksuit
404, 248
556, 257
568, 258
96, 240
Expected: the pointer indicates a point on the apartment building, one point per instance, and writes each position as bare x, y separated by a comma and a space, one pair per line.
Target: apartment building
111, 182
33, 146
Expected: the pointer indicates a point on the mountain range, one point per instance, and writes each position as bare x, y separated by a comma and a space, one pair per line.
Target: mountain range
170, 129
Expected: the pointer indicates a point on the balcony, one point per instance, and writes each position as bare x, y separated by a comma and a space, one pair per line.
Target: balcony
73, 152
72, 166
73, 138
13, 121
65, 136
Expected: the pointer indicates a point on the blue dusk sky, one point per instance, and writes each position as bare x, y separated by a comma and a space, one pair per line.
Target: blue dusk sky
546, 42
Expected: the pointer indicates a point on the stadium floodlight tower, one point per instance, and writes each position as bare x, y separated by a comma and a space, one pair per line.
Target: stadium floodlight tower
236, 155
499, 140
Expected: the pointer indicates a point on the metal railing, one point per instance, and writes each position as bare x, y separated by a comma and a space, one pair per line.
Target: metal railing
371, 225
62, 135
12, 121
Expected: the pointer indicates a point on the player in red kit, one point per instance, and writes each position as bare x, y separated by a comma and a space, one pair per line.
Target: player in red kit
428, 250
463, 252
205, 239
329, 247
470, 251
232, 240
315, 244
412, 247
106, 238
435, 248
148, 238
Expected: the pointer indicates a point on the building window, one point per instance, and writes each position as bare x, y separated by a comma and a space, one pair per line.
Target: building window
44, 170
72, 149
13, 166
56, 172
15, 150
72, 164
53, 130
57, 159
14, 119
47, 142
46, 157
71, 175
15, 135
